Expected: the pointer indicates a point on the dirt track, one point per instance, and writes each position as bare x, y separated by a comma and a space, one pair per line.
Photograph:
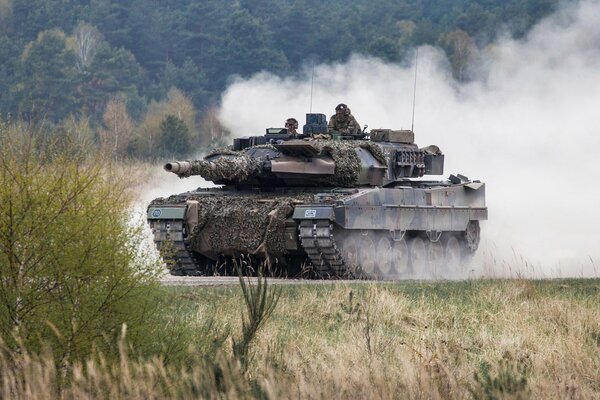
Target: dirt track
169, 280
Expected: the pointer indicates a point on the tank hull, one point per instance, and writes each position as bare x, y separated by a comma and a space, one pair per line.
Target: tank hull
413, 229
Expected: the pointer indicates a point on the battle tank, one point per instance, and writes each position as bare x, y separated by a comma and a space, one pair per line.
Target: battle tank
353, 206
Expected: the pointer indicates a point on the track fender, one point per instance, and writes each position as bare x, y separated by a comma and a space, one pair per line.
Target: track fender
313, 212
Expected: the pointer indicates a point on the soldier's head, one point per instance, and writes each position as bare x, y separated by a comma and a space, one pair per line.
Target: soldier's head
291, 124
342, 109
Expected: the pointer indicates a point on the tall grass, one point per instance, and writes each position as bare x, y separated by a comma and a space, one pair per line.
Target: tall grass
488, 339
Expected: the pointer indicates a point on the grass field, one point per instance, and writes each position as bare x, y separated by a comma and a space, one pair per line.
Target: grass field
512, 339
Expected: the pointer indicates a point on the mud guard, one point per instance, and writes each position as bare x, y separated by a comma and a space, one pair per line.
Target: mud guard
313, 212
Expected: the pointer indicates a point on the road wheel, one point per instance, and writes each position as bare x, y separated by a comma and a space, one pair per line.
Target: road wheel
452, 254
401, 259
418, 255
366, 255
385, 257
350, 250
435, 258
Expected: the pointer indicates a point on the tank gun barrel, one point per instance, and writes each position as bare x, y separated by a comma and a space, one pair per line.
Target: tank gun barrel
178, 167
227, 168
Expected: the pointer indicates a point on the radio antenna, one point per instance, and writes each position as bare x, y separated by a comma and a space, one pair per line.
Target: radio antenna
412, 126
312, 84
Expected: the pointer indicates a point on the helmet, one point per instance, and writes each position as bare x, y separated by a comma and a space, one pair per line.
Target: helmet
342, 107
292, 123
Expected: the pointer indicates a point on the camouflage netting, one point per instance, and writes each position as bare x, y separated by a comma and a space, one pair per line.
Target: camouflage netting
237, 166
375, 149
234, 166
347, 162
234, 225
236, 169
265, 146
227, 150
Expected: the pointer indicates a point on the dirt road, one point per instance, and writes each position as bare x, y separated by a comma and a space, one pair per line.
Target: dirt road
169, 280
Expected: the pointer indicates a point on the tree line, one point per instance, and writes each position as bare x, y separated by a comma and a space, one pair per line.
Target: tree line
103, 59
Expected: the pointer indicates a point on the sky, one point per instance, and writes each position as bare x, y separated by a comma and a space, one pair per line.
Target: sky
528, 125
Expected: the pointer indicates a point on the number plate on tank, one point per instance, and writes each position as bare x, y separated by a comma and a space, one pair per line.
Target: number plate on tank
166, 212
310, 213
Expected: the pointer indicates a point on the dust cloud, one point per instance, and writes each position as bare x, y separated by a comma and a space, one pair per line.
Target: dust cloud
159, 183
164, 184
528, 125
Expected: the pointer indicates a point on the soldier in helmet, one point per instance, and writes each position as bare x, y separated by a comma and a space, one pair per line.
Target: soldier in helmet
291, 124
343, 122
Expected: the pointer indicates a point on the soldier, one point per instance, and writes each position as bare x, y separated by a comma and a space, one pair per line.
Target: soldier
343, 122
291, 124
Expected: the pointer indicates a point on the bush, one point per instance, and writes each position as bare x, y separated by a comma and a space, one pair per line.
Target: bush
70, 270
508, 382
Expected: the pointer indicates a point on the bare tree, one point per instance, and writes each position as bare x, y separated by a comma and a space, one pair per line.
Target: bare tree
87, 40
148, 133
211, 129
119, 127
462, 51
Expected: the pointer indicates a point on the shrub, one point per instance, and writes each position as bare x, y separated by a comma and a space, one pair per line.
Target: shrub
508, 382
70, 270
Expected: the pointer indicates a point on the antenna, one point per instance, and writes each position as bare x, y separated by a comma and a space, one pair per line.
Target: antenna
312, 84
412, 126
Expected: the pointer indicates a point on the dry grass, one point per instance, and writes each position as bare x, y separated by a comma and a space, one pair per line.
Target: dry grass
488, 339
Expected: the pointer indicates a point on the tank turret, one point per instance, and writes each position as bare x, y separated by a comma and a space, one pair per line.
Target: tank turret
343, 206
388, 156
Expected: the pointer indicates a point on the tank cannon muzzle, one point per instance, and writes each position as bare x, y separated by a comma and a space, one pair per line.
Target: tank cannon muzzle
234, 168
178, 167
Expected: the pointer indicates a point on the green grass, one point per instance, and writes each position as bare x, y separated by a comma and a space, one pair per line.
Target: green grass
488, 339
468, 325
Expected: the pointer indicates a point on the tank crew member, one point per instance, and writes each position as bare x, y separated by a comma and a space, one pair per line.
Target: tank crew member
291, 124
343, 122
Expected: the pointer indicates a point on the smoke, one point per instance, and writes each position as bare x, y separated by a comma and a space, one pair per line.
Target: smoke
528, 126
159, 183
164, 184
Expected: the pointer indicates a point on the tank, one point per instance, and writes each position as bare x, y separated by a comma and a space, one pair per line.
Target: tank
331, 207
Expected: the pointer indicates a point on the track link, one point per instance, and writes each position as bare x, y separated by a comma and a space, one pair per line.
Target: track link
170, 238
316, 237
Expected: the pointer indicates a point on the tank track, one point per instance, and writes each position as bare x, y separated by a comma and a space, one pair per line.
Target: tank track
329, 260
316, 237
170, 238
317, 240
